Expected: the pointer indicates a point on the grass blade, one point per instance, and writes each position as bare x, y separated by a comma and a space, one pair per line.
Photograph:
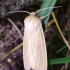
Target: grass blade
60, 60
46, 3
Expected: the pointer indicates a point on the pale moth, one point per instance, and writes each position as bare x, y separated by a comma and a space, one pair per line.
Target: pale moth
34, 47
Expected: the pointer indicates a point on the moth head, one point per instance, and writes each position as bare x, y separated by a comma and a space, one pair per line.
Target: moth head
33, 13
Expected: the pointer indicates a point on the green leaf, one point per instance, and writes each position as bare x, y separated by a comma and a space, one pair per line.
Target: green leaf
61, 49
60, 60
46, 4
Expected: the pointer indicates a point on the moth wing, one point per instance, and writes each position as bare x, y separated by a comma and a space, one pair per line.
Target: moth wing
41, 61
34, 50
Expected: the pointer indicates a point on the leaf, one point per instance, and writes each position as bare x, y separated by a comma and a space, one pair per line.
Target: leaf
46, 4
61, 49
60, 60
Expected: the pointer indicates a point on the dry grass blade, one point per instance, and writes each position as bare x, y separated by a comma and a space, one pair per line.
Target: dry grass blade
66, 42
12, 51
15, 27
50, 23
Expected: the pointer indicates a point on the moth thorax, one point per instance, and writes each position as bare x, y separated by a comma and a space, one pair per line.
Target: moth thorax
31, 23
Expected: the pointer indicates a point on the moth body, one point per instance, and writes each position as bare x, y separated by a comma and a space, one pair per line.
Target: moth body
34, 48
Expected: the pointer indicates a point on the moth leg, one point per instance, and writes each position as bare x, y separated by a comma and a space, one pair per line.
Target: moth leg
31, 69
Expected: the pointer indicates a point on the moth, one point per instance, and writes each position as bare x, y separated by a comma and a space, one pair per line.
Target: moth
34, 47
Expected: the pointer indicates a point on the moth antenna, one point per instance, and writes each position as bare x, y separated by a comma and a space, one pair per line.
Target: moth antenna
47, 8
45, 16
20, 11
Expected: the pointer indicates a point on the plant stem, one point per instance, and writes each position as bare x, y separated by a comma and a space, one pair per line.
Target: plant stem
55, 20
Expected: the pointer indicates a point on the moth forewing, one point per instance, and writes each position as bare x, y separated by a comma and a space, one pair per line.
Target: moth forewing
34, 47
